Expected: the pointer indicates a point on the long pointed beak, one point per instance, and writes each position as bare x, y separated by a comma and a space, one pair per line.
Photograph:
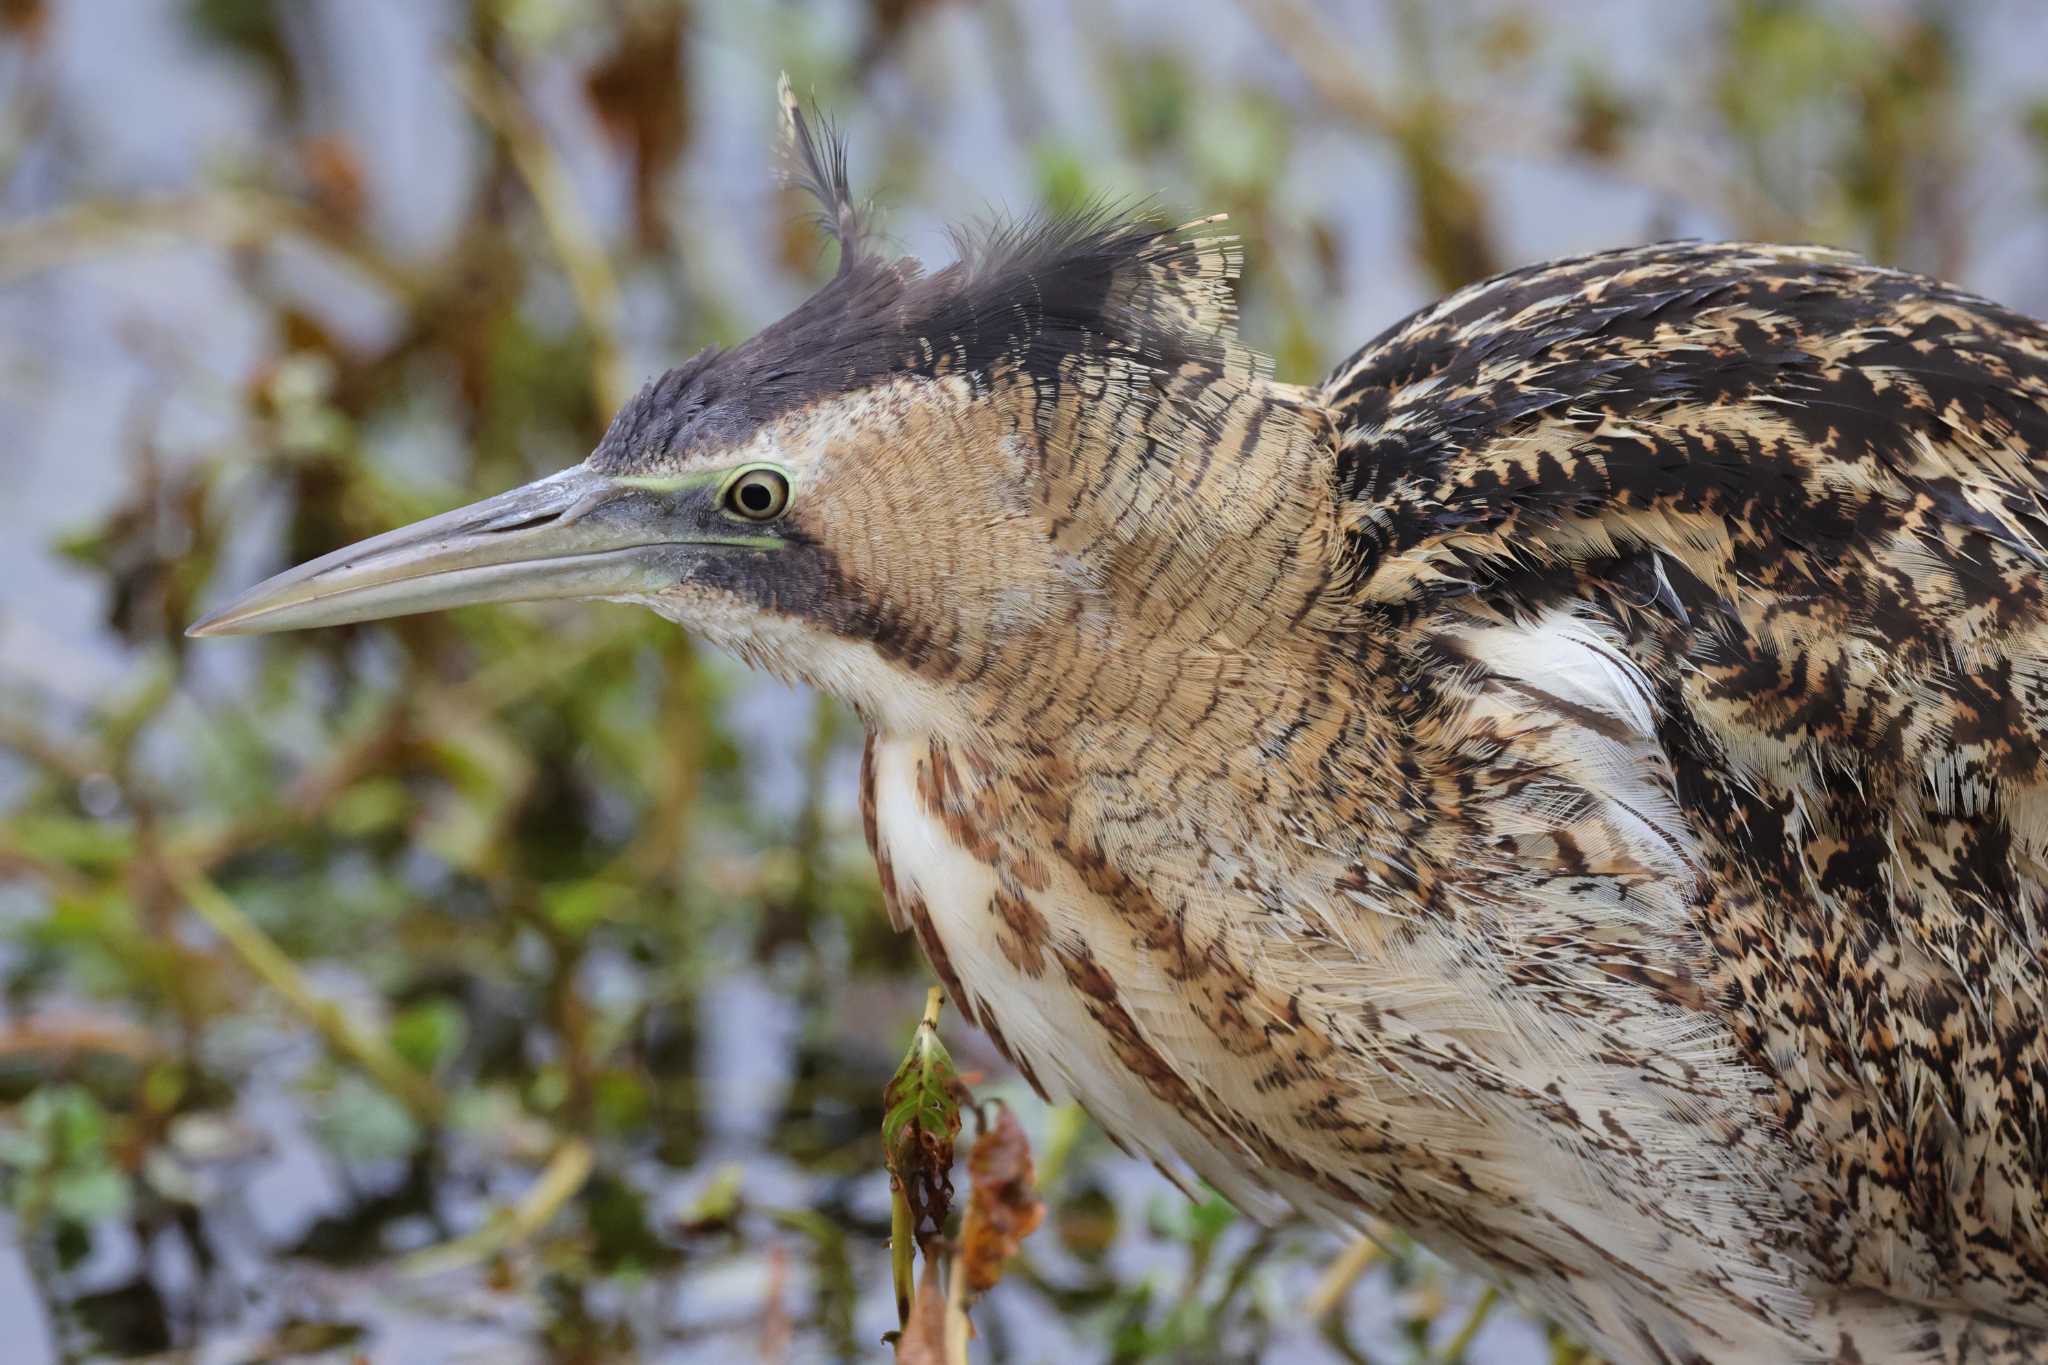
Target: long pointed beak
572, 534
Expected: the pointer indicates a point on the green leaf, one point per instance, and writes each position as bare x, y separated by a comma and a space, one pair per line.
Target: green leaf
1062, 176
429, 1033
62, 1150
920, 1119
623, 1238
362, 1123
96, 845
578, 907
621, 1100
1209, 1219
369, 807
90, 1195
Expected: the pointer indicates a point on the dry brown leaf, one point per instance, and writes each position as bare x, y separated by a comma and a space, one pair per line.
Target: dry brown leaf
923, 1339
25, 20
335, 178
1004, 1207
640, 99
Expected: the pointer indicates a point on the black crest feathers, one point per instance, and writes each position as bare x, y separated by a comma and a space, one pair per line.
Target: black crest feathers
1031, 298
816, 156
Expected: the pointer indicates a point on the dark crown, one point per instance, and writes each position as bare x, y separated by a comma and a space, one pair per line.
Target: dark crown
1023, 298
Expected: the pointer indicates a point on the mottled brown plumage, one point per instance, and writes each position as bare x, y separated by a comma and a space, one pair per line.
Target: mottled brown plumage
1570, 785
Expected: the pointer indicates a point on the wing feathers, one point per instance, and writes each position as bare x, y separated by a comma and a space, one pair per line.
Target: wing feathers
1788, 514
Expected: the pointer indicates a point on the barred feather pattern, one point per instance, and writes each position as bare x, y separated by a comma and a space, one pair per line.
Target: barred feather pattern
1569, 785
1573, 785
1809, 493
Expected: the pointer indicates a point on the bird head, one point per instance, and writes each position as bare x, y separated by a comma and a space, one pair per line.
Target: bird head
903, 481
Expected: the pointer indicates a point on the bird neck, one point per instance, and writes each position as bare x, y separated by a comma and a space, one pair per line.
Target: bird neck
1191, 547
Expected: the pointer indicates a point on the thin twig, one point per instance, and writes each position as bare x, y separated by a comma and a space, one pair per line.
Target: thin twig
1338, 1277
74, 1036
19, 862
1454, 1349
74, 761
560, 1179
205, 847
1332, 68
1064, 1124
230, 218
958, 1329
500, 106
496, 686
1330, 65
270, 963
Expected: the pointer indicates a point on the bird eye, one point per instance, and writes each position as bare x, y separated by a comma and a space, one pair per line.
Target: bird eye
758, 495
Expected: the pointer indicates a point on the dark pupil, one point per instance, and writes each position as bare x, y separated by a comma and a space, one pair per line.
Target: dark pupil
755, 497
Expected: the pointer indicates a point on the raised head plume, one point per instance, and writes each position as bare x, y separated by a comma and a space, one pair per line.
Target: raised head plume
817, 164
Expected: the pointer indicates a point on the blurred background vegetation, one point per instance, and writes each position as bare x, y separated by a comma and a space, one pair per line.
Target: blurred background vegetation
512, 984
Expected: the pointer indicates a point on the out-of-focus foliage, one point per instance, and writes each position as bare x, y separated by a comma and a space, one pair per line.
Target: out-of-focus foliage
512, 983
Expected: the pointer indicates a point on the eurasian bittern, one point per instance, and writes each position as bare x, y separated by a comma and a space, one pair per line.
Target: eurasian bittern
1571, 785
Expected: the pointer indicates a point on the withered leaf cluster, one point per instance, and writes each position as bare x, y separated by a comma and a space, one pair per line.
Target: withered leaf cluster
1003, 1207
921, 1119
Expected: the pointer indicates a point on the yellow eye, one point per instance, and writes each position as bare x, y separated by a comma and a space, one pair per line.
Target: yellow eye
758, 495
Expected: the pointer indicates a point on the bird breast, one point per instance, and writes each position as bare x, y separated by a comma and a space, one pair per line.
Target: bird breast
1245, 994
